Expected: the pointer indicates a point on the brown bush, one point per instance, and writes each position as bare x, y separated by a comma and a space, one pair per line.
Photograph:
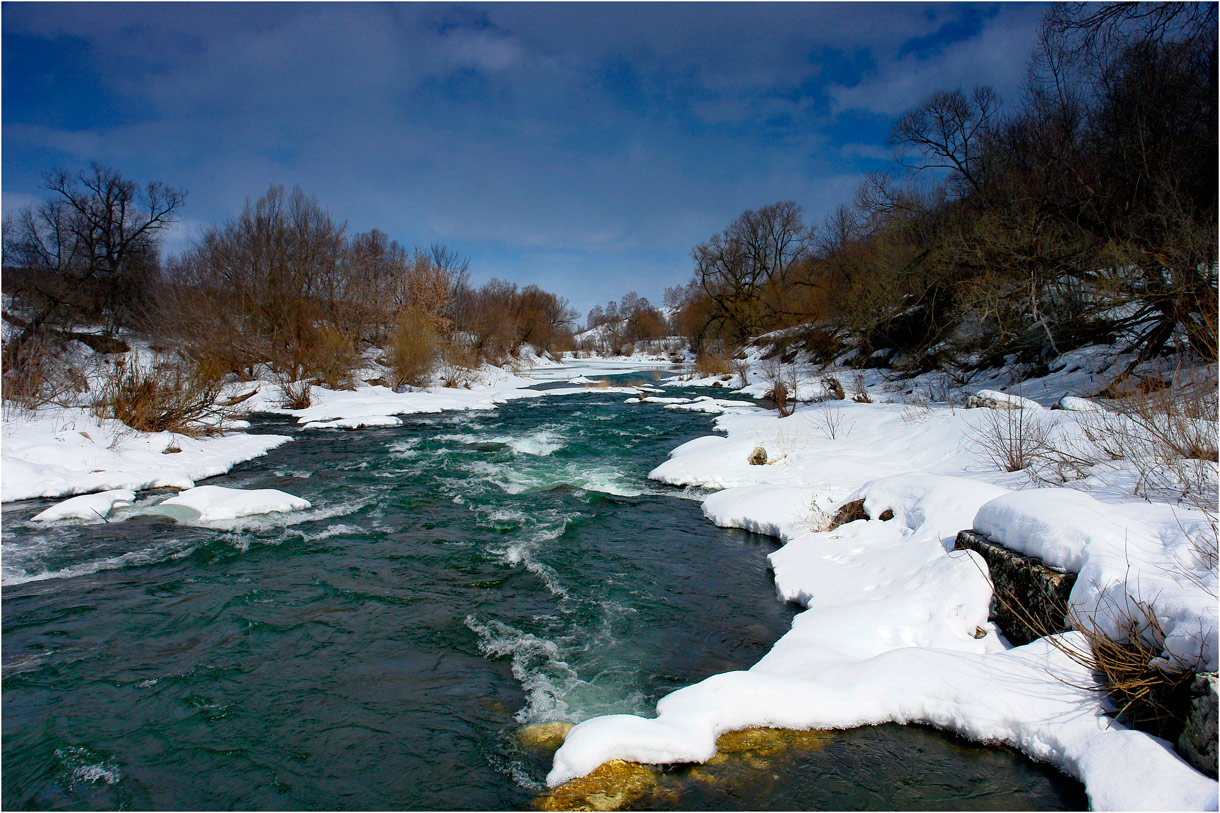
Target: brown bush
710, 363
1016, 438
295, 392
412, 351
29, 369
334, 358
175, 396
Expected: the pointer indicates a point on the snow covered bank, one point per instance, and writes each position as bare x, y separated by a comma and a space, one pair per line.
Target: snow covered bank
896, 622
59, 451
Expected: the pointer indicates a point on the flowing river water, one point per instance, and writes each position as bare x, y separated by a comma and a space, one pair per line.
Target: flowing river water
457, 578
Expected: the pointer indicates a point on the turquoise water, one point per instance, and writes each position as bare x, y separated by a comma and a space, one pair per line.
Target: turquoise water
457, 578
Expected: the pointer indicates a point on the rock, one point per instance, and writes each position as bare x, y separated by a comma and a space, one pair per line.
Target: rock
852, 511
758, 457
848, 512
740, 757
610, 787
1030, 599
1197, 745
548, 736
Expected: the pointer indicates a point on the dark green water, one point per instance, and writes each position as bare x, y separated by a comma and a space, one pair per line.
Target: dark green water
457, 577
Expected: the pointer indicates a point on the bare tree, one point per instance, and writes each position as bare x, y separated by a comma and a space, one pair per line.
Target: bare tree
947, 131
90, 249
741, 269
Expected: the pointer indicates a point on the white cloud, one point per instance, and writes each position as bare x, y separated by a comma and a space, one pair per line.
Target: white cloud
996, 56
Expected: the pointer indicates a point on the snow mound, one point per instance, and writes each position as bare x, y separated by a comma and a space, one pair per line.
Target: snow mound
58, 452
1014, 401
214, 503
87, 506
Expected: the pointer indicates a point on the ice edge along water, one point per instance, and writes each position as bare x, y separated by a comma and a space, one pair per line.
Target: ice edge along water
889, 633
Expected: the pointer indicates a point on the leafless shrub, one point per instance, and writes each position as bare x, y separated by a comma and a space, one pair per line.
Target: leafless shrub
33, 373
412, 351
1168, 435
171, 396
294, 391
1015, 438
832, 421
782, 389
458, 364
742, 370
859, 392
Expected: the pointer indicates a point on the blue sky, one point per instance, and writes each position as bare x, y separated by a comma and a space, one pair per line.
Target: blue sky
582, 147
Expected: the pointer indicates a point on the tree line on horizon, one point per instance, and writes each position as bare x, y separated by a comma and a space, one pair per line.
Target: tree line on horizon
282, 284
1085, 213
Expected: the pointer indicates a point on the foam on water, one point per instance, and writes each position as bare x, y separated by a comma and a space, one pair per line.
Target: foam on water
518, 479
29, 562
537, 664
77, 763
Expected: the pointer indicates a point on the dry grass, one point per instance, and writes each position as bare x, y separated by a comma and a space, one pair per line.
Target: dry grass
710, 363
173, 396
1150, 689
859, 392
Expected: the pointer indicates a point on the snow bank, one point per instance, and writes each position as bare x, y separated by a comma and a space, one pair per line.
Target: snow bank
93, 507
58, 452
1125, 553
896, 622
216, 503
1036, 707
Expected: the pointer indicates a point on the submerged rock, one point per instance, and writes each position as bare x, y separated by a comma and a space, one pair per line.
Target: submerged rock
544, 735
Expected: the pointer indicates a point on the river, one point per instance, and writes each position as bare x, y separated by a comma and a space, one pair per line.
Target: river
458, 578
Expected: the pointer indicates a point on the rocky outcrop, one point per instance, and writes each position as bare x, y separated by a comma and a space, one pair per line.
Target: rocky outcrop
1197, 744
1030, 598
